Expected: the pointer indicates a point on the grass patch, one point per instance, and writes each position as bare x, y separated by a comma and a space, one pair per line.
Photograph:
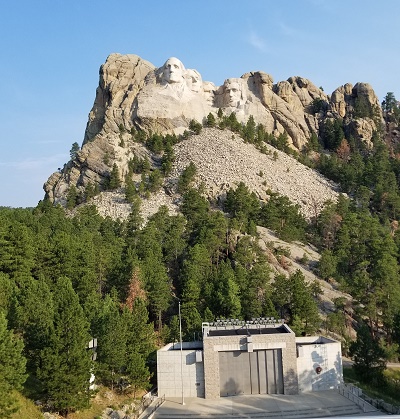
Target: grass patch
94, 411
103, 398
389, 392
27, 408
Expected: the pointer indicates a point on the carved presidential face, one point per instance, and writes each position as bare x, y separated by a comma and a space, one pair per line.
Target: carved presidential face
173, 71
232, 93
194, 79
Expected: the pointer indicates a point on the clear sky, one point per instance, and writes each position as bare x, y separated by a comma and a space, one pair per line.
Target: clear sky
52, 51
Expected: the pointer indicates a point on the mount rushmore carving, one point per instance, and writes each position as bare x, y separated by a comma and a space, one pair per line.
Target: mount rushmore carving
134, 95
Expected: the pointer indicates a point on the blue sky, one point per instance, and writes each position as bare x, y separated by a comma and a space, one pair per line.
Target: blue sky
52, 51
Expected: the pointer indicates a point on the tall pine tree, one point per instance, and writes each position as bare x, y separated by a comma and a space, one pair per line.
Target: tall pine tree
12, 368
66, 363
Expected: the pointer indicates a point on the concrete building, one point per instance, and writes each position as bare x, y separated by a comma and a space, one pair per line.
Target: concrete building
171, 372
319, 363
258, 357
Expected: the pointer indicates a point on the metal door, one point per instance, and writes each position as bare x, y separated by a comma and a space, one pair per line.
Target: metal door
258, 372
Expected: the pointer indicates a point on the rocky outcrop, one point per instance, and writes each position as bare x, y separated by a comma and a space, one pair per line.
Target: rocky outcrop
121, 78
360, 110
281, 107
222, 161
133, 95
342, 100
363, 130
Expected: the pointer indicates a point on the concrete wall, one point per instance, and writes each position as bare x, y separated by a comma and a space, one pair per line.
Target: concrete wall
300, 358
319, 352
214, 344
169, 377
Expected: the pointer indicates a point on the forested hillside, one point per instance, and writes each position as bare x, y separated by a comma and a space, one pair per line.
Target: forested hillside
67, 279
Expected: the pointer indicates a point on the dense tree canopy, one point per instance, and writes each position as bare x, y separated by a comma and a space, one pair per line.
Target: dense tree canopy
65, 280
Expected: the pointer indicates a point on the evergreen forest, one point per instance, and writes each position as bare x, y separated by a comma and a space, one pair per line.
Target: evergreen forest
65, 280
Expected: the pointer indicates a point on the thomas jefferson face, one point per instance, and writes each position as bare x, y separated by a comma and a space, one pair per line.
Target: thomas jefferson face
195, 81
173, 71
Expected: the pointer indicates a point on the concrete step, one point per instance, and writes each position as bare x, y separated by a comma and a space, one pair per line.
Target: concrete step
287, 414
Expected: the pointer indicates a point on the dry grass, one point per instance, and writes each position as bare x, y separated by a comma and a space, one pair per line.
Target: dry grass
103, 399
27, 409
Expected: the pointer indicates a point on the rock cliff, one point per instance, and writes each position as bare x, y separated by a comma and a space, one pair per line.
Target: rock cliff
135, 96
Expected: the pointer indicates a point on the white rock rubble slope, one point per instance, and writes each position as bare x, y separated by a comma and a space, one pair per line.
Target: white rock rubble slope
223, 160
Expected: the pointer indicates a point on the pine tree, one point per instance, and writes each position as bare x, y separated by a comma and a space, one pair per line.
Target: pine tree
210, 121
90, 191
34, 316
191, 321
249, 130
111, 354
226, 292
389, 102
135, 289
66, 363
141, 333
157, 285
130, 190
369, 357
135, 219
294, 299
72, 197
195, 208
186, 178
115, 180
284, 217
12, 368
195, 126
174, 243
17, 250
137, 371
242, 205
154, 181
74, 150
302, 304
196, 268
7, 290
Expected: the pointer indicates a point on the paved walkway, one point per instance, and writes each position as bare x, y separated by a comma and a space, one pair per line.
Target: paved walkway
306, 405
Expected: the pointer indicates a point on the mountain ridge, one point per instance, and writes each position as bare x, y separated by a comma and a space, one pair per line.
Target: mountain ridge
132, 96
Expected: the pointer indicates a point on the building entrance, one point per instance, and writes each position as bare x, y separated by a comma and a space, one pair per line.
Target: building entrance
258, 372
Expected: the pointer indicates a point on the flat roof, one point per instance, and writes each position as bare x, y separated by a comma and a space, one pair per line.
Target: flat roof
176, 346
313, 340
243, 331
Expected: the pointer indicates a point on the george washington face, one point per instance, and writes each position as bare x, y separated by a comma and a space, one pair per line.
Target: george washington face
173, 71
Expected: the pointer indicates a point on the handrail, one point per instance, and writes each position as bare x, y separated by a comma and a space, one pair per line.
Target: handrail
348, 390
157, 404
345, 391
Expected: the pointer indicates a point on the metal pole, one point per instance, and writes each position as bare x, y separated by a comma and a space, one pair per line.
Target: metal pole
180, 336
